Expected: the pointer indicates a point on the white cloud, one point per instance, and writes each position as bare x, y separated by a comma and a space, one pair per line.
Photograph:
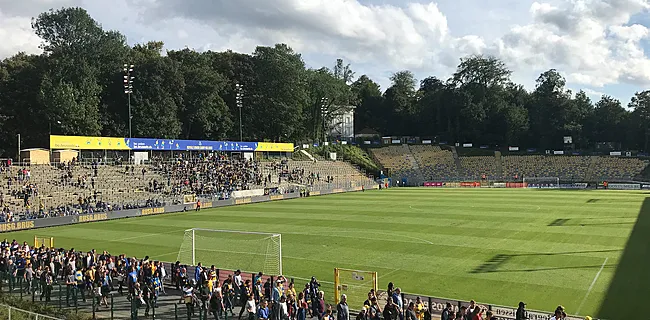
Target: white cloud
16, 35
591, 42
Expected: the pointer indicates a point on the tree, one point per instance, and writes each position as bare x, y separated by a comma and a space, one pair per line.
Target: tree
158, 98
343, 72
399, 100
608, 120
639, 123
329, 96
21, 110
204, 114
548, 111
366, 97
72, 97
278, 95
486, 71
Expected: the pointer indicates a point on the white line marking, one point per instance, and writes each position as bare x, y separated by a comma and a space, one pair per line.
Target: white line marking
142, 236
386, 274
592, 286
368, 232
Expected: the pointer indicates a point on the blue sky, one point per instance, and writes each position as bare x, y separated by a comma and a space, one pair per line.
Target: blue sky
601, 46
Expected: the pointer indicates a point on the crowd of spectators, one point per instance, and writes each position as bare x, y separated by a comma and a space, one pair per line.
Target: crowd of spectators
85, 275
207, 175
94, 276
296, 175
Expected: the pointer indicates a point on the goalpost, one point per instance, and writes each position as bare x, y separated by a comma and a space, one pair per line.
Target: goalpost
39, 241
542, 182
230, 249
355, 284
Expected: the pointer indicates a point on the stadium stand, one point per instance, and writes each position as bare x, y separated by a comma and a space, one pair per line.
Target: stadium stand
41, 191
473, 168
567, 168
433, 163
610, 168
396, 158
436, 164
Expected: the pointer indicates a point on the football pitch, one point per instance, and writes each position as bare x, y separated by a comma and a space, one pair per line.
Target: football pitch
585, 250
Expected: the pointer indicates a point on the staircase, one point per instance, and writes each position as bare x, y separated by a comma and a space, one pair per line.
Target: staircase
417, 171
497, 156
592, 165
456, 159
308, 155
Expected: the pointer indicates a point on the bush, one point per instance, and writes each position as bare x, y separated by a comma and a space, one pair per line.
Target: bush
350, 153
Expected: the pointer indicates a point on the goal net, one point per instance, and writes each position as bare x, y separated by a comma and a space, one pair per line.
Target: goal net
355, 284
228, 249
542, 182
47, 242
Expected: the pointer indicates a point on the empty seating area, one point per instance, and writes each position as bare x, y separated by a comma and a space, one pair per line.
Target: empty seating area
432, 163
473, 168
341, 174
609, 168
394, 158
436, 164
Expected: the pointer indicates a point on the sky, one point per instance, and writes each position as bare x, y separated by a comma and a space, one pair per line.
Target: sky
599, 46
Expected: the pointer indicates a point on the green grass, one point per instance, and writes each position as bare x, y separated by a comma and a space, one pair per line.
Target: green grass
496, 246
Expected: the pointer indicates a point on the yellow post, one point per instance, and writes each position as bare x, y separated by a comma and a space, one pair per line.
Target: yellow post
337, 286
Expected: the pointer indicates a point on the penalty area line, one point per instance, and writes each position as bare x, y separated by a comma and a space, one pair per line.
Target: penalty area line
591, 286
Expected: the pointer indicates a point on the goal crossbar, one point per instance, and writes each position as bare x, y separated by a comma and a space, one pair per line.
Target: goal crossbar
235, 231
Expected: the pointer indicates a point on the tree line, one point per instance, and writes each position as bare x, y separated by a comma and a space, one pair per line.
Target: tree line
75, 87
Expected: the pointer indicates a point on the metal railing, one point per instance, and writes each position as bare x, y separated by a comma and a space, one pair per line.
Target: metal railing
13, 313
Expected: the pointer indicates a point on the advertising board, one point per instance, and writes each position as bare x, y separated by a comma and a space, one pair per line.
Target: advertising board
113, 143
623, 186
574, 185
507, 313
473, 184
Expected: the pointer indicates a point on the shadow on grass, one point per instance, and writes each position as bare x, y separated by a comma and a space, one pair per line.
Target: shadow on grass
567, 222
630, 284
596, 266
496, 262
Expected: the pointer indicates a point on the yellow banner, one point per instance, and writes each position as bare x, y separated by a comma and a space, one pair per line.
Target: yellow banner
243, 201
93, 217
274, 147
87, 143
148, 211
189, 198
11, 226
277, 197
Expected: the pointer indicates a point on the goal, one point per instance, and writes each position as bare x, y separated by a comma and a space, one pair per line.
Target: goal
355, 284
233, 250
39, 241
542, 182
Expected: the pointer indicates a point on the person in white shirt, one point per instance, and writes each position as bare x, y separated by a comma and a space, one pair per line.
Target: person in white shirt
284, 312
558, 315
251, 308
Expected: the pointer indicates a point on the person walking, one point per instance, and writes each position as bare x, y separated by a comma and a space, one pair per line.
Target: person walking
342, 310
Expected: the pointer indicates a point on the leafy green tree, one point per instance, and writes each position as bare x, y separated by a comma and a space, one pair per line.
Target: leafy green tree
640, 120
157, 98
609, 118
278, 95
367, 98
204, 114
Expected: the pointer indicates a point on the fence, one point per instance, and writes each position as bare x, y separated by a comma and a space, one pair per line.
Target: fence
85, 303
12, 313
